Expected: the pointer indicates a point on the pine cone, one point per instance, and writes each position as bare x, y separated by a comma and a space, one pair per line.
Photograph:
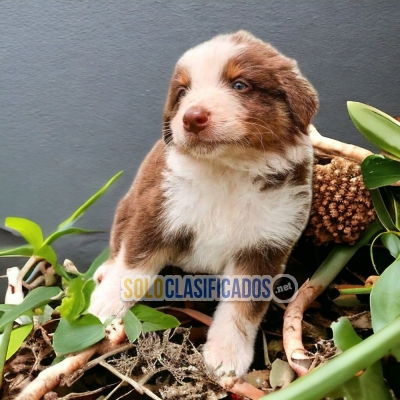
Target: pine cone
341, 207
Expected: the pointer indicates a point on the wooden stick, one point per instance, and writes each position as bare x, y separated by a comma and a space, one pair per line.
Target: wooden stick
51, 377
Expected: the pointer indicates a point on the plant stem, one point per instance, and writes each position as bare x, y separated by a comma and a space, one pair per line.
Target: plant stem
322, 380
364, 290
340, 256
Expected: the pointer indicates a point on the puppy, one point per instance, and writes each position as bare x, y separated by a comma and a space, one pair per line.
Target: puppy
228, 189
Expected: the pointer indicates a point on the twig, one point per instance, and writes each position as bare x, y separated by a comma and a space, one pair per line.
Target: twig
51, 377
113, 391
78, 373
133, 383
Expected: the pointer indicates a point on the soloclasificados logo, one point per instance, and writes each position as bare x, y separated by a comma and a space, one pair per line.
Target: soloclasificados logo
209, 287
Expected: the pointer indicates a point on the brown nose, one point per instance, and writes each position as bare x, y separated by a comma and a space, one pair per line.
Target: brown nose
195, 119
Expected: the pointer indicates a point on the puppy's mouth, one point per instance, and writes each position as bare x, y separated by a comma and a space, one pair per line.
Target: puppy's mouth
203, 143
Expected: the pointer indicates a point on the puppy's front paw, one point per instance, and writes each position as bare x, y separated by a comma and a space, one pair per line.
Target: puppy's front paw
106, 299
227, 354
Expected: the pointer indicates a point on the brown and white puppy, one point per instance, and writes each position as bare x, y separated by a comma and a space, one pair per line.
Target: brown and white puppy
227, 190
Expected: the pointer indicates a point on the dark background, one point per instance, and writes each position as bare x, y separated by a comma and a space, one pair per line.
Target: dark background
82, 87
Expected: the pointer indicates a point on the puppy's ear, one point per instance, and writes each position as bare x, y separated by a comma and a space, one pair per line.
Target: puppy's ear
301, 98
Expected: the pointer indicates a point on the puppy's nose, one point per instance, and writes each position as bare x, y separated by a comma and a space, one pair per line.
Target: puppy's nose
195, 119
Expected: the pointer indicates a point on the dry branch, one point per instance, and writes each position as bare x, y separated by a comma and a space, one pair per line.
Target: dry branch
51, 377
298, 357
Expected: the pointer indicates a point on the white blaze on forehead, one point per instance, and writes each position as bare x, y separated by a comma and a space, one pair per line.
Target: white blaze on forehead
205, 62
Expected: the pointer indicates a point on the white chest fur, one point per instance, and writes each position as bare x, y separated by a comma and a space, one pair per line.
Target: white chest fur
226, 210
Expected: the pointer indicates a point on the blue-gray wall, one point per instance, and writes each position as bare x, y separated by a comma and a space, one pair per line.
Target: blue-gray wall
82, 86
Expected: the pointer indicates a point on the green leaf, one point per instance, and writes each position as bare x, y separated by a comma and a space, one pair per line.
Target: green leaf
132, 326
396, 208
28, 229
73, 303
48, 254
6, 307
382, 211
378, 127
385, 303
153, 320
22, 251
78, 335
35, 298
87, 291
344, 335
66, 231
99, 260
81, 210
392, 243
370, 385
18, 335
379, 171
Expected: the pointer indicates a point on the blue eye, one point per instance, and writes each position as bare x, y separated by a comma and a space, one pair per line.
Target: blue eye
239, 86
181, 93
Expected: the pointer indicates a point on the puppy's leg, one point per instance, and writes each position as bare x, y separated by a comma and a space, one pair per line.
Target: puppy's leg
230, 340
229, 351
106, 300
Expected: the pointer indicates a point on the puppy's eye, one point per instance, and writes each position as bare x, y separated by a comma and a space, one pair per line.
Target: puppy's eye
240, 86
181, 92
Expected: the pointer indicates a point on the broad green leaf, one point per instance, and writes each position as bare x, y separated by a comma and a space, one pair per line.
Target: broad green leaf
22, 251
6, 307
18, 335
73, 303
35, 298
78, 335
344, 335
48, 254
67, 231
132, 326
81, 210
385, 303
378, 127
153, 320
382, 211
379, 171
28, 229
392, 243
99, 260
370, 385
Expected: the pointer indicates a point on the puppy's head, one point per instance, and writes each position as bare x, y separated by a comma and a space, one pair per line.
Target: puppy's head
236, 92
